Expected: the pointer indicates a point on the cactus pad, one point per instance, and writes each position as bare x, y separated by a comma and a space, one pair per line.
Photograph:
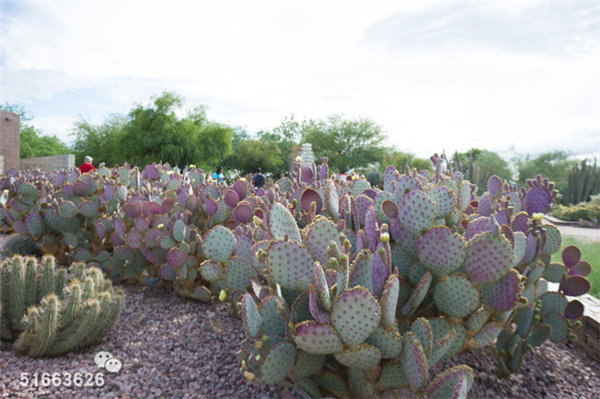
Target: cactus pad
272, 321
553, 239
354, 315
290, 264
576, 286
362, 357
176, 257
574, 310
422, 330
477, 319
320, 235
414, 361
361, 270
282, 223
441, 250
392, 376
307, 364
239, 273
251, 318
416, 211
308, 196
560, 328
486, 335
211, 271
318, 339
582, 268
503, 294
554, 272
553, 302
390, 209
445, 201
489, 257
453, 383
537, 200
388, 341
539, 335
320, 281
441, 347
455, 296
571, 256
219, 244
278, 363
418, 295
389, 301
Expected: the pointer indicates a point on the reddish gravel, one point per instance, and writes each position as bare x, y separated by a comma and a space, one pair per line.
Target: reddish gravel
172, 347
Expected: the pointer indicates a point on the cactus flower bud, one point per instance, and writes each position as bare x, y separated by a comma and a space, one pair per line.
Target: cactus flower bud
265, 339
243, 363
160, 226
523, 279
222, 296
385, 238
573, 336
523, 300
257, 358
5, 191
169, 172
528, 347
577, 324
249, 376
502, 352
538, 217
536, 317
257, 221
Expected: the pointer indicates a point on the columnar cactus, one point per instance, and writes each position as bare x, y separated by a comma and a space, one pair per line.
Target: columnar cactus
48, 312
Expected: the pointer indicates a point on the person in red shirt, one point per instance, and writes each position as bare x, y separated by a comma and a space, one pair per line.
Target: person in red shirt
87, 165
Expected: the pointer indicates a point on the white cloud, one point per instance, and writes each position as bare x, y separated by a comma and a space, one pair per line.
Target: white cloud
432, 75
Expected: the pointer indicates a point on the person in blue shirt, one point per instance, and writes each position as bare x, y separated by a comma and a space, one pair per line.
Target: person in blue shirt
258, 179
218, 175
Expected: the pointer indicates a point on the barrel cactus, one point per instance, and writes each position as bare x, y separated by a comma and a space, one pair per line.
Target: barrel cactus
47, 311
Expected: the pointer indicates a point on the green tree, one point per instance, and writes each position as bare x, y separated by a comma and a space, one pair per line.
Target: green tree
397, 158
555, 165
100, 142
347, 143
286, 137
156, 133
33, 142
479, 165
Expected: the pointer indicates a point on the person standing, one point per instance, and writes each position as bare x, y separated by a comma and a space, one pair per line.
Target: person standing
87, 165
218, 175
258, 179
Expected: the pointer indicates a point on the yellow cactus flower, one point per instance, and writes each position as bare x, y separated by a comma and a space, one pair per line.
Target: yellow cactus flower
242, 178
222, 296
538, 217
298, 159
192, 166
385, 238
169, 172
257, 221
355, 177
160, 226
5, 191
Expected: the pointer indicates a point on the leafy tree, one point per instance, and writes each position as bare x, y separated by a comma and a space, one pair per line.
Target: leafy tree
33, 142
554, 165
347, 143
479, 165
156, 133
100, 142
397, 158
258, 153
286, 136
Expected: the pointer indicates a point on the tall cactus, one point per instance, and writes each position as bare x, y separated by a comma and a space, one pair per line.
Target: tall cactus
48, 312
584, 181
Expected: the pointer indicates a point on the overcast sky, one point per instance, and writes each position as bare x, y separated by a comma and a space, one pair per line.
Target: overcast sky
436, 76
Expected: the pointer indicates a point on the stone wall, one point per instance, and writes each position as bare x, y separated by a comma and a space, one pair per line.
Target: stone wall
10, 139
50, 163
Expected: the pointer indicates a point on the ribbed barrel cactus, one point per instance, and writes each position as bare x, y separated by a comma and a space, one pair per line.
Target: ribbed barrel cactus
47, 311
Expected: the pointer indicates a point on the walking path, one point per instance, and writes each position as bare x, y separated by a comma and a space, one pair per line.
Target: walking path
583, 233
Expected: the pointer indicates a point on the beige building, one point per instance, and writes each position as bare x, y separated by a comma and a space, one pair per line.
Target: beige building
10, 139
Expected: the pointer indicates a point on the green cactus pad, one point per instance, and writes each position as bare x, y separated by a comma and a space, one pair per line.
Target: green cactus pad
315, 338
388, 341
290, 264
454, 383
445, 201
331, 382
238, 274
422, 330
519, 246
322, 287
361, 270
416, 211
441, 347
440, 326
360, 385
67, 210
166, 241
362, 357
539, 335
554, 272
211, 271
553, 239
503, 294
307, 364
401, 259
535, 273
251, 318
389, 301
282, 223
553, 302
300, 311
378, 206
278, 363
418, 295
219, 244
463, 195
272, 321
559, 325
477, 319
441, 251
486, 335
455, 296
414, 361
354, 315
358, 186
202, 294
319, 236
332, 200
82, 255
524, 318
392, 376
489, 257
179, 230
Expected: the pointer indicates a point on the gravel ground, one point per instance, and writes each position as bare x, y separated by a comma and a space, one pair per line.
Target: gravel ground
172, 347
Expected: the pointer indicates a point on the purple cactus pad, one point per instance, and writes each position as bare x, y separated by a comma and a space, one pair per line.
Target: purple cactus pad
576, 286
494, 186
582, 268
537, 200
571, 256
308, 196
574, 310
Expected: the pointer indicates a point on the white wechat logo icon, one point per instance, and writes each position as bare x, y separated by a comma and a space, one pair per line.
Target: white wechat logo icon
105, 360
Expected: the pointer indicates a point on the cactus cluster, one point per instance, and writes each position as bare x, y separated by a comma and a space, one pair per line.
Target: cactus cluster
48, 311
